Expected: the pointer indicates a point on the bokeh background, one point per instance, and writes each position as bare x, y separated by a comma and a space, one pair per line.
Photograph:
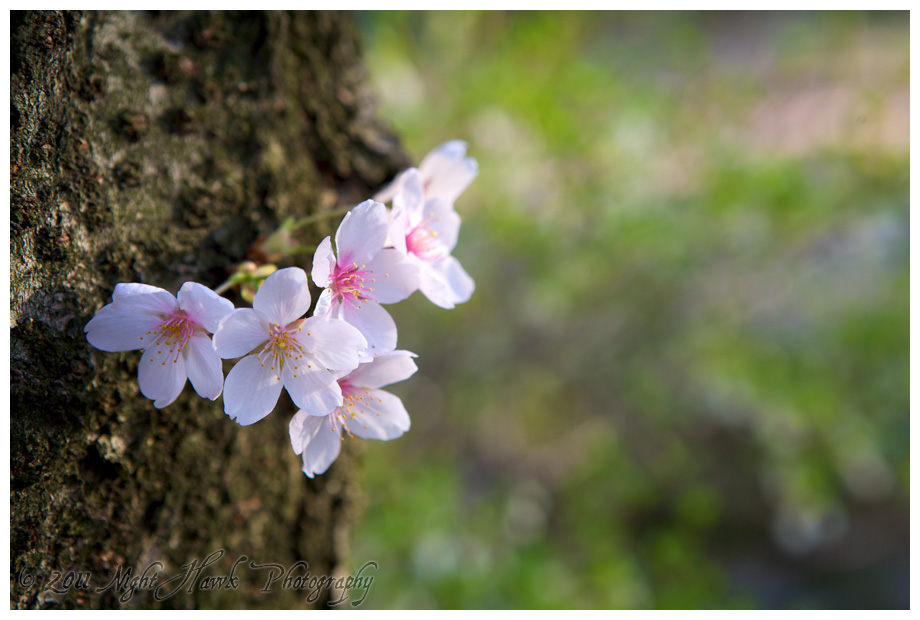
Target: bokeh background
683, 378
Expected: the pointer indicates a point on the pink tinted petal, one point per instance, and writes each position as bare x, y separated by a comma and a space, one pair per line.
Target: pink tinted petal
362, 233
161, 376
446, 172
446, 284
251, 390
144, 299
203, 367
203, 305
394, 279
322, 449
323, 263
335, 344
313, 390
386, 369
443, 221
375, 324
239, 333
115, 329
381, 416
284, 296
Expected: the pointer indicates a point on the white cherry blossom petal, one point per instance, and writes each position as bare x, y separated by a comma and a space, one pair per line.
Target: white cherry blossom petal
459, 280
115, 329
443, 157
446, 284
386, 369
251, 390
389, 192
203, 367
381, 416
322, 448
144, 299
312, 389
375, 324
411, 197
284, 296
394, 278
362, 233
446, 172
239, 333
325, 305
123, 289
323, 263
302, 428
335, 344
203, 305
444, 221
399, 227
161, 376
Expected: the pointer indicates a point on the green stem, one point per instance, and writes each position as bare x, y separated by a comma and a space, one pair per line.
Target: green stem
300, 249
223, 288
317, 217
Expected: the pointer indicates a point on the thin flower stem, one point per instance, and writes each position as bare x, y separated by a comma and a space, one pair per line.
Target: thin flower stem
300, 249
318, 217
295, 249
223, 288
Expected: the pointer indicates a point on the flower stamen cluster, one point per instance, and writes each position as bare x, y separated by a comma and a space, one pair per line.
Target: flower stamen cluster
350, 284
422, 242
174, 332
357, 403
282, 348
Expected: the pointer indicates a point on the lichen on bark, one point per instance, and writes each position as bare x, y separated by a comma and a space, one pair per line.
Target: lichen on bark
155, 148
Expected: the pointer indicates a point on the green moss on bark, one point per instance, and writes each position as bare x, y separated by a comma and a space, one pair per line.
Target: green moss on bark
155, 148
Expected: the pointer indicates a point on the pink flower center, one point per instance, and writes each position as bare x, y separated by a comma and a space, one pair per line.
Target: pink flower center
354, 406
169, 338
424, 243
284, 348
351, 284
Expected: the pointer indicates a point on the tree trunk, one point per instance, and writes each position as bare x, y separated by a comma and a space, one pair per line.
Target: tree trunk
155, 148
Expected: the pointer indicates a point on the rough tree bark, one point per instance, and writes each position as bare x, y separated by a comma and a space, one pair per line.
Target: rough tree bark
155, 148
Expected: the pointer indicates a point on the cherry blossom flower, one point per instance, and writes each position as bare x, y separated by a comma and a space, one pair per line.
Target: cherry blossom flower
361, 275
280, 349
173, 334
445, 172
366, 411
425, 231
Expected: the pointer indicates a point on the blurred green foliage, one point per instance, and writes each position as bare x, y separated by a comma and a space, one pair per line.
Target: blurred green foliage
683, 378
